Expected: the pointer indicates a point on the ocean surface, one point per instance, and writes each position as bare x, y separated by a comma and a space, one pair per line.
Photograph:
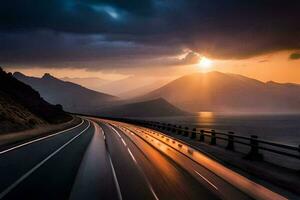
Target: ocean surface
282, 128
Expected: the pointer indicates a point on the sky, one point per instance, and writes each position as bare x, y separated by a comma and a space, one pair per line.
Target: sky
113, 39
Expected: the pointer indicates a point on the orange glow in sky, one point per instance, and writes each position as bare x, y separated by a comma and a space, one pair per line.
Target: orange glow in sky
274, 66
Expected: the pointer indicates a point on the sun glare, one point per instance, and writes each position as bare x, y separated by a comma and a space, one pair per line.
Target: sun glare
205, 63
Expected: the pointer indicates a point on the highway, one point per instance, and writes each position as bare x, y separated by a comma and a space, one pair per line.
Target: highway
100, 159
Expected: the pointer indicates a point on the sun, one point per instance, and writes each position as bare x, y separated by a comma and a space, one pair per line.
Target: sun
205, 62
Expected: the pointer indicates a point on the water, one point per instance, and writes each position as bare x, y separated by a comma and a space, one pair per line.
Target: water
277, 128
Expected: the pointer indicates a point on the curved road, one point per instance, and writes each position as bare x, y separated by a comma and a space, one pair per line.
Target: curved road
100, 159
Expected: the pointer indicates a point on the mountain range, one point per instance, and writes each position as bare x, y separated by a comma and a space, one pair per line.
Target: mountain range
73, 97
93, 83
212, 91
222, 92
132, 86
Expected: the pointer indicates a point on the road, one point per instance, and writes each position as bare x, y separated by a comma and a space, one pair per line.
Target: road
100, 159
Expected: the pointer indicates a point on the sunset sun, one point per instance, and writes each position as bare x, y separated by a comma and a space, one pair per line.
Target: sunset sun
205, 63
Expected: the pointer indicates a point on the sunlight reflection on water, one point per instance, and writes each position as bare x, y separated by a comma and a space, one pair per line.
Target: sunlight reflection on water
205, 117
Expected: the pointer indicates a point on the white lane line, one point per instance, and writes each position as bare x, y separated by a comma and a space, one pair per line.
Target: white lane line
115, 131
39, 139
101, 130
17, 182
118, 135
206, 180
151, 188
147, 181
123, 142
133, 158
115, 178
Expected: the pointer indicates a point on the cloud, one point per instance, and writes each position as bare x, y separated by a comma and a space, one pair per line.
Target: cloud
190, 58
107, 31
295, 56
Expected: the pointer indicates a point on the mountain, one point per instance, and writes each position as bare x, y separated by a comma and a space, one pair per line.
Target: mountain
21, 107
92, 83
154, 108
73, 97
132, 86
142, 90
216, 91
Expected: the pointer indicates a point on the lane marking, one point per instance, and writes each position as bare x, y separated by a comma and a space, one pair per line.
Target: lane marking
152, 190
118, 135
115, 131
206, 180
39, 139
27, 174
101, 130
146, 179
133, 158
180, 145
144, 175
123, 142
115, 178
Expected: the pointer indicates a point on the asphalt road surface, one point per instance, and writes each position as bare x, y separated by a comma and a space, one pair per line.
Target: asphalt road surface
99, 159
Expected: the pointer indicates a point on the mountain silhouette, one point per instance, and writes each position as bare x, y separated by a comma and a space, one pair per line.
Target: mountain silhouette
153, 108
216, 91
132, 86
93, 83
73, 97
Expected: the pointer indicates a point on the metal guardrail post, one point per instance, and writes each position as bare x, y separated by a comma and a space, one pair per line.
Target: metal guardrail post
186, 132
168, 127
157, 125
174, 129
254, 151
163, 126
201, 139
179, 130
193, 135
213, 139
230, 145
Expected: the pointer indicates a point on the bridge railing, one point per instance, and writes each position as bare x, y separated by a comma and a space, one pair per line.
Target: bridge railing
253, 142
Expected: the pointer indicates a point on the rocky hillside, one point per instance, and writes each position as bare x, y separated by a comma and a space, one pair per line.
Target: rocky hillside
21, 107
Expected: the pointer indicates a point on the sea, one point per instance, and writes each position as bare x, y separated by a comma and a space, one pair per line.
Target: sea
281, 128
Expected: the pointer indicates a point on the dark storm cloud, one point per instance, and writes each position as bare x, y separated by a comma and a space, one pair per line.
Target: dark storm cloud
83, 30
48, 48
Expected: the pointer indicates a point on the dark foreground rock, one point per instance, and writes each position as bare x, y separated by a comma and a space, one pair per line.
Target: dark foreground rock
22, 108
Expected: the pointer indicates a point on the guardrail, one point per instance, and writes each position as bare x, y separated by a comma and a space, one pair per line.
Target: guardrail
253, 142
